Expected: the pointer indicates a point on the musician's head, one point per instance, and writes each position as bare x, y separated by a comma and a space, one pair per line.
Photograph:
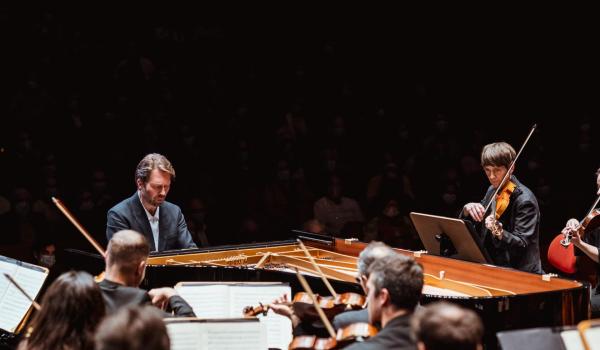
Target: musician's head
153, 177
133, 328
126, 257
442, 325
394, 287
71, 310
373, 252
496, 159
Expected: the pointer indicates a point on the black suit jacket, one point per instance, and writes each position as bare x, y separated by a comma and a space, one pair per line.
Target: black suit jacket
117, 296
519, 247
395, 335
130, 215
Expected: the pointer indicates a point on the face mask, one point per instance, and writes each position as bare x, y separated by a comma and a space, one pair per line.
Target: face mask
47, 260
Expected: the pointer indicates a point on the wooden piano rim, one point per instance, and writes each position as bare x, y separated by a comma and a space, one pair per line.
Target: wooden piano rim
477, 280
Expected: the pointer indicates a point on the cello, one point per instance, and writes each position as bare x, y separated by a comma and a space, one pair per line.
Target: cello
561, 253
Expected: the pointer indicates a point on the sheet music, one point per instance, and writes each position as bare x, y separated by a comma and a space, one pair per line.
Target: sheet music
208, 301
278, 328
592, 336
571, 340
184, 335
13, 304
217, 335
236, 336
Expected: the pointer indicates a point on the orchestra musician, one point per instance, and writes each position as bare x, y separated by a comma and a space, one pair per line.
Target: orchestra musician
511, 236
126, 258
133, 328
373, 252
589, 245
148, 212
394, 289
442, 325
71, 310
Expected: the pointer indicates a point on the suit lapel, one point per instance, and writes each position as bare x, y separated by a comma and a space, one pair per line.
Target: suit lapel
142, 219
162, 228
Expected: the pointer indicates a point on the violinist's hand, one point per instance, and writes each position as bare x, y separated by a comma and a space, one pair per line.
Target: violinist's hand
570, 228
160, 296
281, 306
494, 226
576, 238
475, 211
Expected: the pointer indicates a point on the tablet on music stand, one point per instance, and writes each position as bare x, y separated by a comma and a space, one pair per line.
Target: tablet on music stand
434, 230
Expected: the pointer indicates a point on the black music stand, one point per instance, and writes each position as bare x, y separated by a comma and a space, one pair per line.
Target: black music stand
449, 237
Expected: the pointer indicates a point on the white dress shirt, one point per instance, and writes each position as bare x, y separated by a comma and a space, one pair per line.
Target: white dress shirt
153, 219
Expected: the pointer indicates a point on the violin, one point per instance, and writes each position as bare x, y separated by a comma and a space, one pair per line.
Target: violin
250, 311
305, 310
503, 198
561, 253
345, 336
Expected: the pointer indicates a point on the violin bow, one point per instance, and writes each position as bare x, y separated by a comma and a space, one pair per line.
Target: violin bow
510, 168
309, 291
79, 227
33, 302
318, 269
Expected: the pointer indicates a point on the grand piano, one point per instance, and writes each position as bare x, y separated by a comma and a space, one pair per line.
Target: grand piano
504, 298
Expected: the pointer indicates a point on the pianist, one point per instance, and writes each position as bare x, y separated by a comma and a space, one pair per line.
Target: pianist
148, 212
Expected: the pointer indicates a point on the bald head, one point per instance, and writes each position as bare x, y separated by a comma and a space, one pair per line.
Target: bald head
126, 250
443, 325
373, 252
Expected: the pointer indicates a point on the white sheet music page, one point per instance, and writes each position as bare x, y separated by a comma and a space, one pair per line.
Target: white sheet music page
184, 335
235, 336
278, 328
592, 336
571, 340
208, 301
13, 304
217, 335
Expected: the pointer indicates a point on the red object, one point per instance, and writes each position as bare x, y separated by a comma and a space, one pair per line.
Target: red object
561, 257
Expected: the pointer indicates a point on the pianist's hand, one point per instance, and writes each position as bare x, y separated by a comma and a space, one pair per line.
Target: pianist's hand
160, 296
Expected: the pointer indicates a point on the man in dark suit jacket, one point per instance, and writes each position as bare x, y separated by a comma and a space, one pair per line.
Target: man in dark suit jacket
394, 289
126, 258
512, 240
148, 212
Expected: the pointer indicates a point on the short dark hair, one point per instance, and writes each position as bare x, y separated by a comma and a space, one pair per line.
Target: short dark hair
442, 325
372, 252
402, 276
150, 162
126, 249
72, 308
133, 328
497, 154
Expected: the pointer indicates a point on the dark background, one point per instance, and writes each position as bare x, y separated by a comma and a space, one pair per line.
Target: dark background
224, 94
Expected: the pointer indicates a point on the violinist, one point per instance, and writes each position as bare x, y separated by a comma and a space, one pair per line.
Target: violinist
511, 234
373, 252
589, 245
394, 289
126, 258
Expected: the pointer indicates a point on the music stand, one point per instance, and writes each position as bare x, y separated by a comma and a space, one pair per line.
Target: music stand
433, 229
